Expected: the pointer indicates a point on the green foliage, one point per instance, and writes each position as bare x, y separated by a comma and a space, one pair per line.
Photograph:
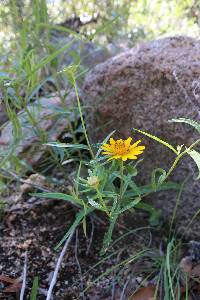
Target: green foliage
109, 188
31, 60
157, 139
179, 152
35, 288
170, 271
195, 155
190, 122
138, 20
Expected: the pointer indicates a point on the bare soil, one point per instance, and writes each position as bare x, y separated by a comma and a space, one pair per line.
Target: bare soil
38, 230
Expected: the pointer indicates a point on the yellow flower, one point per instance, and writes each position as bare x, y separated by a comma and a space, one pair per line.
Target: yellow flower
93, 181
122, 149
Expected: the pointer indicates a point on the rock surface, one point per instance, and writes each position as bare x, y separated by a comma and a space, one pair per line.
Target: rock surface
52, 119
143, 88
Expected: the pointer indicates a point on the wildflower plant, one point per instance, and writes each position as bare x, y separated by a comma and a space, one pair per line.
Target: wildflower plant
110, 186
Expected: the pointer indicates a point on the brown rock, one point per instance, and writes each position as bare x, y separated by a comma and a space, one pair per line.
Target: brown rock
143, 88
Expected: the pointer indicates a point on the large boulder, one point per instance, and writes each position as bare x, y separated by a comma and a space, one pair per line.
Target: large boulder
143, 88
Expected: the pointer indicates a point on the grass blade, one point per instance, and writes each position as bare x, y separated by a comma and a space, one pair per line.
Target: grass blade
35, 288
79, 217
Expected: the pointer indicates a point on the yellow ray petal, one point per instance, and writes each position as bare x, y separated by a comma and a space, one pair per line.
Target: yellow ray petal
112, 141
135, 144
124, 157
128, 142
131, 156
140, 147
135, 152
106, 147
114, 157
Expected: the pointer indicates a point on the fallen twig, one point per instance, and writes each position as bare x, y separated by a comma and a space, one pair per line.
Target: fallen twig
91, 236
55, 274
24, 277
24, 181
124, 289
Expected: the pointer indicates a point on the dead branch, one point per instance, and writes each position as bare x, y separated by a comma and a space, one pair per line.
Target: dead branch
55, 274
17, 178
91, 236
75, 23
24, 277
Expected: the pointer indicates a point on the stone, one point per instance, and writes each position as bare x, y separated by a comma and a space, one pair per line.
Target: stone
87, 53
143, 88
50, 114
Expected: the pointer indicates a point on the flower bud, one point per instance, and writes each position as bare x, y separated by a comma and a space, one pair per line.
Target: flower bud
93, 181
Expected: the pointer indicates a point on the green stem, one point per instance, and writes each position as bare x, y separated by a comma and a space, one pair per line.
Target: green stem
102, 202
175, 163
81, 116
121, 182
190, 223
179, 157
177, 204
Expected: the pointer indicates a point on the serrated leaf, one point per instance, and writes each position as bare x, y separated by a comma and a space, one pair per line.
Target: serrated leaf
130, 205
196, 157
153, 137
59, 196
113, 218
190, 122
95, 204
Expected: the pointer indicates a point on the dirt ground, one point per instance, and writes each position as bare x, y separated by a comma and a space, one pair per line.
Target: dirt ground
31, 227
40, 226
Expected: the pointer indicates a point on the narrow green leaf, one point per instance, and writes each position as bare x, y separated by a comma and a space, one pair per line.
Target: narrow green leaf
168, 267
153, 137
17, 130
196, 157
50, 57
61, 29
79, 217
130, 205
59, 196
104, 141
125, 262
144, 189
63, 145
190, 122
113, 219
95, 204
35, 288
157, 180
